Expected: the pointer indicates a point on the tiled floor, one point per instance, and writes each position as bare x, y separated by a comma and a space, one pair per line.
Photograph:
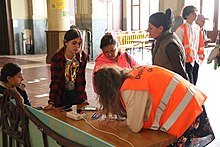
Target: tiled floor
37, 78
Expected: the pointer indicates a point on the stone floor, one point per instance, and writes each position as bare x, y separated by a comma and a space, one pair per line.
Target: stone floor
37, 79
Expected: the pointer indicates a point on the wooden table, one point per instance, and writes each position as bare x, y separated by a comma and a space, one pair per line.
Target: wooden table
144, 138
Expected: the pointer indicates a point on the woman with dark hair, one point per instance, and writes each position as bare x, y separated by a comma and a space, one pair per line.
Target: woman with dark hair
11, 77
152, 97
111, 55
68, 66
167, 51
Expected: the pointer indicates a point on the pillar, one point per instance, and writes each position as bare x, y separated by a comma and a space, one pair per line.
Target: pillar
58, 15
58, 24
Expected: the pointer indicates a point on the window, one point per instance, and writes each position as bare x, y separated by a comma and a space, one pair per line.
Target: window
136, 17
140, 12
195, 3
135, 14
109, 15
208, 5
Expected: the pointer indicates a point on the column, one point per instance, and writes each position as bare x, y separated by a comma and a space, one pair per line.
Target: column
58, 15
58, 24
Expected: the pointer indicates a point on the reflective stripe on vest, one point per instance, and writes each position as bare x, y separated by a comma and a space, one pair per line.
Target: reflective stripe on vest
164, 101
185, 101
187, 46
201, 46
188, 51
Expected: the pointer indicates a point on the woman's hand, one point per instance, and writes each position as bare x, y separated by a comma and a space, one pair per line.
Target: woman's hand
48, 107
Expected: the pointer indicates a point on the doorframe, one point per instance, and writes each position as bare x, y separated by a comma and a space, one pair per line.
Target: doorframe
213, 34
215, 19
7, 26
10, 27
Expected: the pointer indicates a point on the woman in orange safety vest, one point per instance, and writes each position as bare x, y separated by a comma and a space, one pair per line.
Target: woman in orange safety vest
155, 98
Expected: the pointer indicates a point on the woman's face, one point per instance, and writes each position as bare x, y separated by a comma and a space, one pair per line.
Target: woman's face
16, 80
154, 31
73, 46
110, 51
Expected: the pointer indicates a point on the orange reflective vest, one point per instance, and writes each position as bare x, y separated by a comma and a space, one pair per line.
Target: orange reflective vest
176, 103
190, 52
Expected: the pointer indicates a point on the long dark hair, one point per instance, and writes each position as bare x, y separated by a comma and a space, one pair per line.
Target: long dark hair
162, 19
73, 34
108, 81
